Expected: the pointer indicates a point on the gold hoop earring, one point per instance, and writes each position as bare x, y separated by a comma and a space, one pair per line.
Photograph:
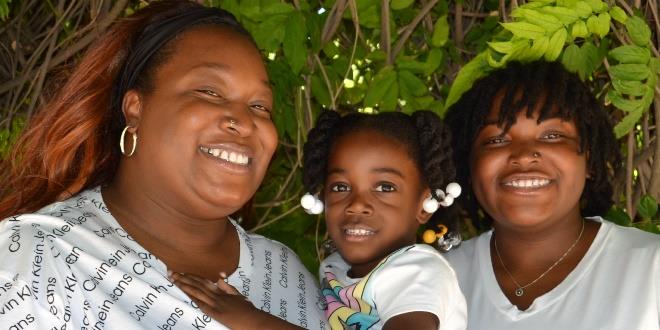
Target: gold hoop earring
121, 142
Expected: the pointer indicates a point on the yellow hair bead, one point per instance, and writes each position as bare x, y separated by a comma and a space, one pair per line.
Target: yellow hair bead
429, 236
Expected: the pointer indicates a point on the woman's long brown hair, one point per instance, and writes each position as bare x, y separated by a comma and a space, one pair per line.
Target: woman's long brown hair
71, 143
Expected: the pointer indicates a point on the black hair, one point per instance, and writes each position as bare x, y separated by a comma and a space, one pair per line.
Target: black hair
546, 87
152, 46
426, 137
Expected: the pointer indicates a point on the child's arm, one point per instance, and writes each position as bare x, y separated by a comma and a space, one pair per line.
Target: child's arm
413, 320
226, 305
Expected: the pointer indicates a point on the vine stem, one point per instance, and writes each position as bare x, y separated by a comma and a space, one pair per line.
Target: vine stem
411, 27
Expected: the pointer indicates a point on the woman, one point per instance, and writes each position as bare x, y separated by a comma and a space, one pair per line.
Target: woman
132, 170
539, 153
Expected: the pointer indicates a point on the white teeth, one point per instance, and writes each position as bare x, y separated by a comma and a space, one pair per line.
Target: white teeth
358, 232
528, 183
232, 157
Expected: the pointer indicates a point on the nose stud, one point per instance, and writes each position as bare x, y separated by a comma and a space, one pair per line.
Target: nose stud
232, 123
536, 154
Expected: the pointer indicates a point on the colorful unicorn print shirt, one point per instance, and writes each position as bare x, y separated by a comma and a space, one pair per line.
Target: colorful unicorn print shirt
415, 278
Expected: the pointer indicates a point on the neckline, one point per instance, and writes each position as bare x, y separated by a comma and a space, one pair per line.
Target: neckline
245, 258
502, 303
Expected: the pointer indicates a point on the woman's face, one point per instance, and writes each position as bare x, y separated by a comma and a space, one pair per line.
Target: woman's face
531, 176
205, 135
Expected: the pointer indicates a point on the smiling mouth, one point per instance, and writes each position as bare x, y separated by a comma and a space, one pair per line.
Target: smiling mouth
228, 156
528, 183
358, 232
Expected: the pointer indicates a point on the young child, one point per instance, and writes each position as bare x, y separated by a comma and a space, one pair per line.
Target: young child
379, 177
537, 155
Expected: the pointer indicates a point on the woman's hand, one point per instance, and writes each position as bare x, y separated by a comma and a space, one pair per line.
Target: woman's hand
225, 304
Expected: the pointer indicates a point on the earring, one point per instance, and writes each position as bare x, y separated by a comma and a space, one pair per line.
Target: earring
121, 142
311, 204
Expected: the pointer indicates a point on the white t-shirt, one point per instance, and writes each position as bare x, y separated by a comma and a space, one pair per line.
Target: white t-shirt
413, 278
616, 285
72, 266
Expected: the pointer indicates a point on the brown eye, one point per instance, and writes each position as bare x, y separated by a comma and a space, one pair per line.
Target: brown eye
385, 187
340, 187
208, 92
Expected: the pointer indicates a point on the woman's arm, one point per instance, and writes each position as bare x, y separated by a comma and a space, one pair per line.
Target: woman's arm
413, 320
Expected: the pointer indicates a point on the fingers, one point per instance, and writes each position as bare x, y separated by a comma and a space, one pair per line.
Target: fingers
226, 287
197, 281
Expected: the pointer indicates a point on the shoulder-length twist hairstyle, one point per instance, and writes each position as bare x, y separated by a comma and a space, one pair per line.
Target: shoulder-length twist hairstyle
546, 87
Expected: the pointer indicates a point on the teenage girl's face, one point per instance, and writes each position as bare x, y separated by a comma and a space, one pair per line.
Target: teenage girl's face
205, 136
373, 198
530, 177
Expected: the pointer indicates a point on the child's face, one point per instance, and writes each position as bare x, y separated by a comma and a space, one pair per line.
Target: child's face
373, 198
532, 176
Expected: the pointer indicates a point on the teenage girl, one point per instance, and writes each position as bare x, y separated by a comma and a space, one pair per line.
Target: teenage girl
378, 177
537, 155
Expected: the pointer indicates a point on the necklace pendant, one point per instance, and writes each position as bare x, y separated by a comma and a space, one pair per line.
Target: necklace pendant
520, 292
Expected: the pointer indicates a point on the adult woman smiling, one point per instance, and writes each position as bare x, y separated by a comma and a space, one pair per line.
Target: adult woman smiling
162, 131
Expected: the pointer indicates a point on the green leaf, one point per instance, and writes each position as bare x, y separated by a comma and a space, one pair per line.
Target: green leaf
627, 105
504, 47
583, 9
639, 31
599, 25
648, 226
400, 4
539, 47
294, 45
379, 86
579, 30
591, 59
627, 123
618, 216
433, 61
618, 14
410, 83
629, 87
320, 91
572, 58
637, 72
4, 9
566, 15
440, 32
556, 44
276, 8
631, 54
473, 70
596, 5
647, 207
525, 30
270, 33
548, 22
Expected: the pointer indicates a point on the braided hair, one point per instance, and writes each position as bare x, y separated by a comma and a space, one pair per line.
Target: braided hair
555, 93
426, 137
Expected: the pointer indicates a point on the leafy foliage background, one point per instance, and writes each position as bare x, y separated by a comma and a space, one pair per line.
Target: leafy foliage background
378, 55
